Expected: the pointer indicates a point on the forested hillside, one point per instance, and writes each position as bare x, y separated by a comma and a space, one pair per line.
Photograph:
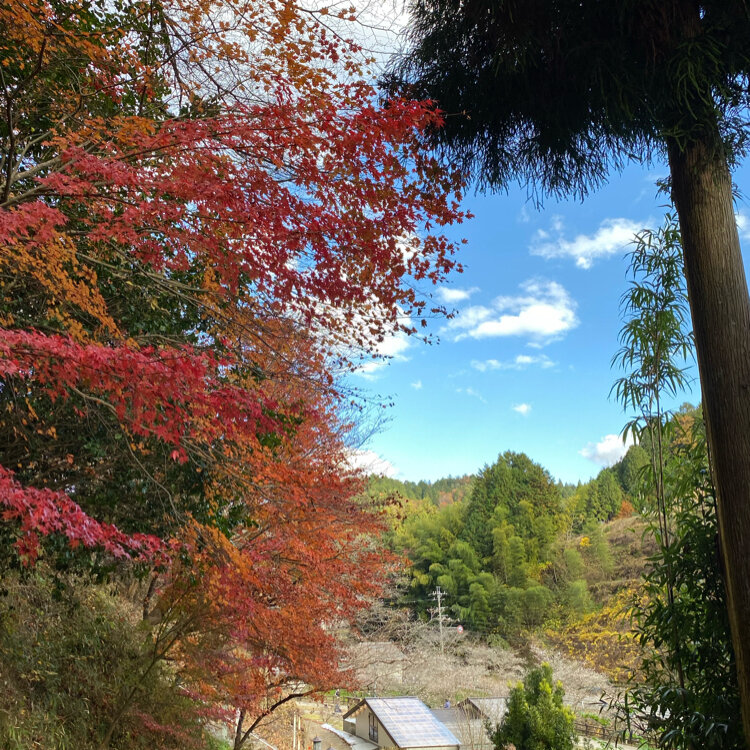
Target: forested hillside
525, 562
512, 549
614, 580
440, 492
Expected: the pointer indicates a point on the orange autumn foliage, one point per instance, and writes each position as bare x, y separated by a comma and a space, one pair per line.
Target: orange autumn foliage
204, 209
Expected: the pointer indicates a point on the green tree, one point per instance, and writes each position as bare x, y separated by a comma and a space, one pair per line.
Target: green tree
685, 692
536, 717
600, 499
577, 598
630, 468
654, 347
598, 553
517, 570
480, 595
609, 494
557, 92
536, 603
515, 489
428, 539
469, 588
508, 609
501, 563
574, 564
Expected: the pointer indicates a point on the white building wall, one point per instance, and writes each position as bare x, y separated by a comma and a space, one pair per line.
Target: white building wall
363, 729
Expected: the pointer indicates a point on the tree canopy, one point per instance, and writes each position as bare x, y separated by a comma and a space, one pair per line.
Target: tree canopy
558, 91
205, 213
536, 718
555, 93
507, 555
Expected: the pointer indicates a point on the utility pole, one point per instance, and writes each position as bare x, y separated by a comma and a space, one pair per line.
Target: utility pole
439, 594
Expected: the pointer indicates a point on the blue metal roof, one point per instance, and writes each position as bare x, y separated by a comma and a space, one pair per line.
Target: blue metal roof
410, 723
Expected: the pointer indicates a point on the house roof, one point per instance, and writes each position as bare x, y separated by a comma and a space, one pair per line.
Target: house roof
470, 732
408, 722
356, 743
493, 709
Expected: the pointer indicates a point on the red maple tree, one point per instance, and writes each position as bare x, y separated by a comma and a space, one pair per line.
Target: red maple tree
203, 207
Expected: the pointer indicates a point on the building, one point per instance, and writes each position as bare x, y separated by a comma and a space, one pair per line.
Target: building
336, 739
469, 720
471, 733
487, 709
401, 723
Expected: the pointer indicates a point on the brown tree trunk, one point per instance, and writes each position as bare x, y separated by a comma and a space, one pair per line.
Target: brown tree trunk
238, 736
720, 309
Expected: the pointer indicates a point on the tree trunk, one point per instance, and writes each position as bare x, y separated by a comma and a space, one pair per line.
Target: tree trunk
720, 309
238, 738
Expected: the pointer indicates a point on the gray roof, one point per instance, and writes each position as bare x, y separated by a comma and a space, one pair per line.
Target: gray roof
491, 708
446, 715
409, 722
471, 733
356, 743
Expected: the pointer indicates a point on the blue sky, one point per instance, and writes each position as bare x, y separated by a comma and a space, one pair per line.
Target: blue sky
525, 364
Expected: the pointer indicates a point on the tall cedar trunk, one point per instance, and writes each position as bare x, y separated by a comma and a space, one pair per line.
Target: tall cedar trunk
720, 309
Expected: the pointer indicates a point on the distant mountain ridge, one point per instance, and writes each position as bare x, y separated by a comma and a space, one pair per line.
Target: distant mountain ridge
440, 492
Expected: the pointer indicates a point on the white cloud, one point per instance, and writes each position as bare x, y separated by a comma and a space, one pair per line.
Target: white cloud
542, 360
372, 463
542, 313
520, 362
392, 347
417, 385
470, 317
451, 295
612, 237
488, 364
609, 450
471, 392
378, 351
523, 409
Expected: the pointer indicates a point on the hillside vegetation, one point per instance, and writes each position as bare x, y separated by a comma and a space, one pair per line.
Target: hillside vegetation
440, 492
514, 551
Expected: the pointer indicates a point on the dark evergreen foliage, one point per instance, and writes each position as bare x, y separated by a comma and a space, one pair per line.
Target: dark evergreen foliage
445, 490
516, 490
630, 469
556, 92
